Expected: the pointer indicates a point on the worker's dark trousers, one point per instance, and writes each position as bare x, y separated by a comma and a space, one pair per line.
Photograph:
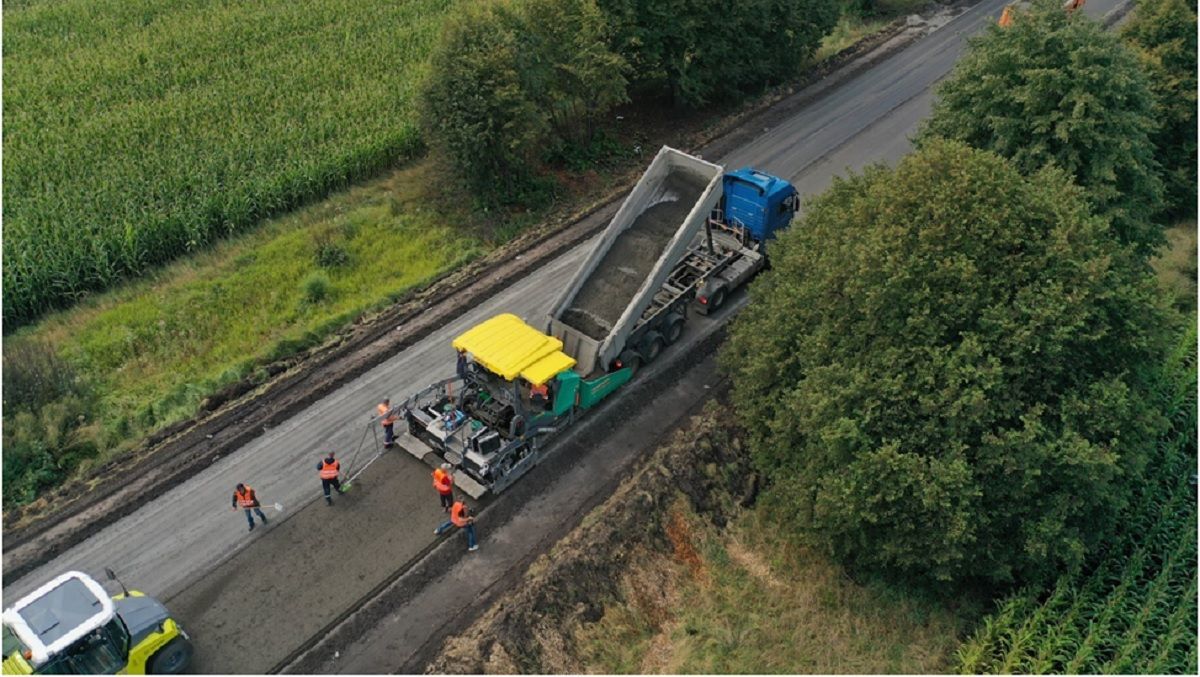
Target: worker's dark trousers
447, 500
250, 518
470, 529
389, 434
335, 483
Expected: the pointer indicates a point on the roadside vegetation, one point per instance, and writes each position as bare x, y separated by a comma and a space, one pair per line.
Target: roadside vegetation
516, 91
91, 382
83, 385
139, 132
758, 602
1134, 609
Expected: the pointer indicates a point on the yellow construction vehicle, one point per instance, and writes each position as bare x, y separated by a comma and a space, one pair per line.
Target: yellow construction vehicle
72, 626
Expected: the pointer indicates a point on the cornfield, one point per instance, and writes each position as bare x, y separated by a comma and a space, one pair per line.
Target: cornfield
1135, 610
138, 130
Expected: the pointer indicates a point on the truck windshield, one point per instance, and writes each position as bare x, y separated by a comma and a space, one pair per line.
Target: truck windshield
103, 651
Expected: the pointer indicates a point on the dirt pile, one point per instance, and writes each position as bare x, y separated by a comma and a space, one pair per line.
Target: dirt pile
532, 629
606, 293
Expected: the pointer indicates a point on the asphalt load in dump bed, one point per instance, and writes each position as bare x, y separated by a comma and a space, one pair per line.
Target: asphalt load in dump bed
603, 297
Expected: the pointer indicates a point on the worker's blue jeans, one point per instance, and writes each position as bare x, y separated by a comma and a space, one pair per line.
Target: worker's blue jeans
250, 518
470, 529
389, 434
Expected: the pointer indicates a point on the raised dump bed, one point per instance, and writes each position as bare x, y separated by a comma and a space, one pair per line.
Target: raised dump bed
633, 257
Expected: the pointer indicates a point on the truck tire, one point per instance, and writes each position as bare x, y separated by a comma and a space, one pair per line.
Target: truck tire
652, 345
632, 360
674, 328
171, 659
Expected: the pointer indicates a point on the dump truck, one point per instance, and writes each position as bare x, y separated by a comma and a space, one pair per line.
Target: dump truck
71, 625
684, 239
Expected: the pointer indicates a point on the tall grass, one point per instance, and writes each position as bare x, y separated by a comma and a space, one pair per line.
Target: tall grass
136, 131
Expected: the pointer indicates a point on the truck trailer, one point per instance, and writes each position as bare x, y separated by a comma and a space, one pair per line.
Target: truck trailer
686, 237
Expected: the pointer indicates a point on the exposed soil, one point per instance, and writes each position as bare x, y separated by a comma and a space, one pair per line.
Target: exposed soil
609, 290
532, 629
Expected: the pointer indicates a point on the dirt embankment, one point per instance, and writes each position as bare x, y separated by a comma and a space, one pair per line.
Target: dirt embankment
533, 628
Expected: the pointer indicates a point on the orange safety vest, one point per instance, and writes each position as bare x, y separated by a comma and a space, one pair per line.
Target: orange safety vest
329, 470
383, 410
539, 390
442, 481
456, 514
246, 500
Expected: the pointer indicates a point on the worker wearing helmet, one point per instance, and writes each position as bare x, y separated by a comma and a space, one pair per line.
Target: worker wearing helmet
245, 498
460, 516
443, 483
329, 469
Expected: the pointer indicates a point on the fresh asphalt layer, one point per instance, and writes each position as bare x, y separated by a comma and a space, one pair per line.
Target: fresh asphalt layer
174, 545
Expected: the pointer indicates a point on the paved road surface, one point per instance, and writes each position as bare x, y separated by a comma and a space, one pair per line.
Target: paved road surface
177, 537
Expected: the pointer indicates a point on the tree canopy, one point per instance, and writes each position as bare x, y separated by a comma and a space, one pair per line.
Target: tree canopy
941, 374
509, 83
1056, 88
699, 51
1163, 33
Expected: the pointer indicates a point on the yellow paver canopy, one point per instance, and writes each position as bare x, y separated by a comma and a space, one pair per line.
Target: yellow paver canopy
508, 347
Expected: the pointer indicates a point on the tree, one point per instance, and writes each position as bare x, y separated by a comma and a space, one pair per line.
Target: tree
1055, 88
941, 375
510, 83
1163, 33
476, 105
699, 51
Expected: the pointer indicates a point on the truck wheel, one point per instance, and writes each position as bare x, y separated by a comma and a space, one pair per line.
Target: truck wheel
716, 300
652, 345
172, 659
674, 328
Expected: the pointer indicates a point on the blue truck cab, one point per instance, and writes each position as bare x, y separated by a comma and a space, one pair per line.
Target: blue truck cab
759, 202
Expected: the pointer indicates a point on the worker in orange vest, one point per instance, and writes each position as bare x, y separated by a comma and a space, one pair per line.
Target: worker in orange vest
460, 516
443, 482
539, 394
329, 469
388, 420
244, 498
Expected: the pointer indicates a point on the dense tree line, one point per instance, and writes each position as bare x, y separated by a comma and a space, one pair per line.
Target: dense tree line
1163, 35
942, 372
512, 85
946, 374
1056, 88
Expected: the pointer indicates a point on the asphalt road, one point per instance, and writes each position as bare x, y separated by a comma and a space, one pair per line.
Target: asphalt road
175, 539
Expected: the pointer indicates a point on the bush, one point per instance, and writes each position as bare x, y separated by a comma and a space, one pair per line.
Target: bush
1056, 88
511, 84
316, 287
943, 372
1163, 33
699, 51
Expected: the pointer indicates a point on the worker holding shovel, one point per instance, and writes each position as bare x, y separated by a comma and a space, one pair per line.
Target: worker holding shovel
460, 516
244, 498
329, 469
